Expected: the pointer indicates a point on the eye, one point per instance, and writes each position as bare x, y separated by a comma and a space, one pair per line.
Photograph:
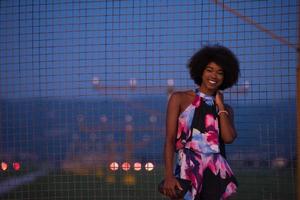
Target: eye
220, 72
209, 69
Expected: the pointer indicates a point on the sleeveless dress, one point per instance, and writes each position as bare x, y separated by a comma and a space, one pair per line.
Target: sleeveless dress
200, 152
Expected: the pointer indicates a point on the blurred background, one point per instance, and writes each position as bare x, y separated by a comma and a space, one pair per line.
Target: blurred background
84, 87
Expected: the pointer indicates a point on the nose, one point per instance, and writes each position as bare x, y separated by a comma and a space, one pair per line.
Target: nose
214, 74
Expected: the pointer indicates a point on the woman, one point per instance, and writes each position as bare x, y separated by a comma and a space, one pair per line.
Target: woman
197, 126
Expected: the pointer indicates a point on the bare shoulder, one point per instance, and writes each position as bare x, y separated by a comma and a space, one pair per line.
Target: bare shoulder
182, 95
182, 98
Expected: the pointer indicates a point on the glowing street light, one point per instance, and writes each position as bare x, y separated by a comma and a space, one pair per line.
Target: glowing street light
137, 166
128, 118
132, 83
114, 166
149, 166
16, 166
170, 82
170, 86
96, 80
153, 119
126, 166
103, 119
4, 166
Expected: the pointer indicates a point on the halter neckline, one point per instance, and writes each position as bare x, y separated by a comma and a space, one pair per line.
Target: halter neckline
205, 96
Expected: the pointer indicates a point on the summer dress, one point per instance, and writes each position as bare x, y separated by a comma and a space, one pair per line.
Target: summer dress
200, 152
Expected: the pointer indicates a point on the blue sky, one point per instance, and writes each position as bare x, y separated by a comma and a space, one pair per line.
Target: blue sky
56, 49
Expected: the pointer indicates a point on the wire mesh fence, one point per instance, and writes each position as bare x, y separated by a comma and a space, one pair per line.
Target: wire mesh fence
84, 87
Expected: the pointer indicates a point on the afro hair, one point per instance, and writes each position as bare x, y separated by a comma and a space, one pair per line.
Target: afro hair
220, 55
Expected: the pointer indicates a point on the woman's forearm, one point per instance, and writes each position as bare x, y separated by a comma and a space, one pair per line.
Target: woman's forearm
169, 158
228, 132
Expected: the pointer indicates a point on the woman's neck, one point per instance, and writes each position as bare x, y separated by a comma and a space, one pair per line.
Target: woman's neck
207, 92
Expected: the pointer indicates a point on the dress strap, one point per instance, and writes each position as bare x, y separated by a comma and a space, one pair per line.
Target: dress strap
207, 98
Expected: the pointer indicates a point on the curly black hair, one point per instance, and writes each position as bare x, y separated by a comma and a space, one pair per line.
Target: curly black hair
220, 55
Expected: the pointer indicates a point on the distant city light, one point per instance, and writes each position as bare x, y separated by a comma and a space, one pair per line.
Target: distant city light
129, 128
4, 166
247, 84
170, 82
243, 87
110, 179
129, 179
279, 162
126, 166
96, 80
153, 119
132, 82
170, 86
114, 166
103, 119
128, 118
149, 166
16, 166
137, 166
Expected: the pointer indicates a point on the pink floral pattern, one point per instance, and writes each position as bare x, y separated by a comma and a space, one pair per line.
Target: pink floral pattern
198, 149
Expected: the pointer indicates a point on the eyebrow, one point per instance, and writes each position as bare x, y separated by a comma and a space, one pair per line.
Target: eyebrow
208, 66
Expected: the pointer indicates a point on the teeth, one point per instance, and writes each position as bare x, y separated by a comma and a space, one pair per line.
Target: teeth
213, 82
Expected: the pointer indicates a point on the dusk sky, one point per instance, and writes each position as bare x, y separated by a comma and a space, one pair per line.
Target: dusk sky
84, 84
65, 48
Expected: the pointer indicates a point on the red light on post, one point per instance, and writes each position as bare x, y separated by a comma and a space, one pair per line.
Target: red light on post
137, 166
16, 166
126, 166
4, 166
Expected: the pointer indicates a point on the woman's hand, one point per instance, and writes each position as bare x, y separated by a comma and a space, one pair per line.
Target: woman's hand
228, 132
220, 100
170, 186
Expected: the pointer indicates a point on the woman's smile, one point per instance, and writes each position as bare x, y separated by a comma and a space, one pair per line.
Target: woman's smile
212, 78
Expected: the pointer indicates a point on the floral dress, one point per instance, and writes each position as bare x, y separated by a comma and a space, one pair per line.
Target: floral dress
200, 152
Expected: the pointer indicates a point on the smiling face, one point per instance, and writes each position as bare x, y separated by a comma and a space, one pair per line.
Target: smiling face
212, 78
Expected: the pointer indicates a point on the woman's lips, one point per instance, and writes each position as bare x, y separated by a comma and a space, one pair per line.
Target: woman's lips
212, 82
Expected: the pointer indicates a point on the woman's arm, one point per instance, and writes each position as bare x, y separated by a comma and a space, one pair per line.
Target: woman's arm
173, 111
226, 120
